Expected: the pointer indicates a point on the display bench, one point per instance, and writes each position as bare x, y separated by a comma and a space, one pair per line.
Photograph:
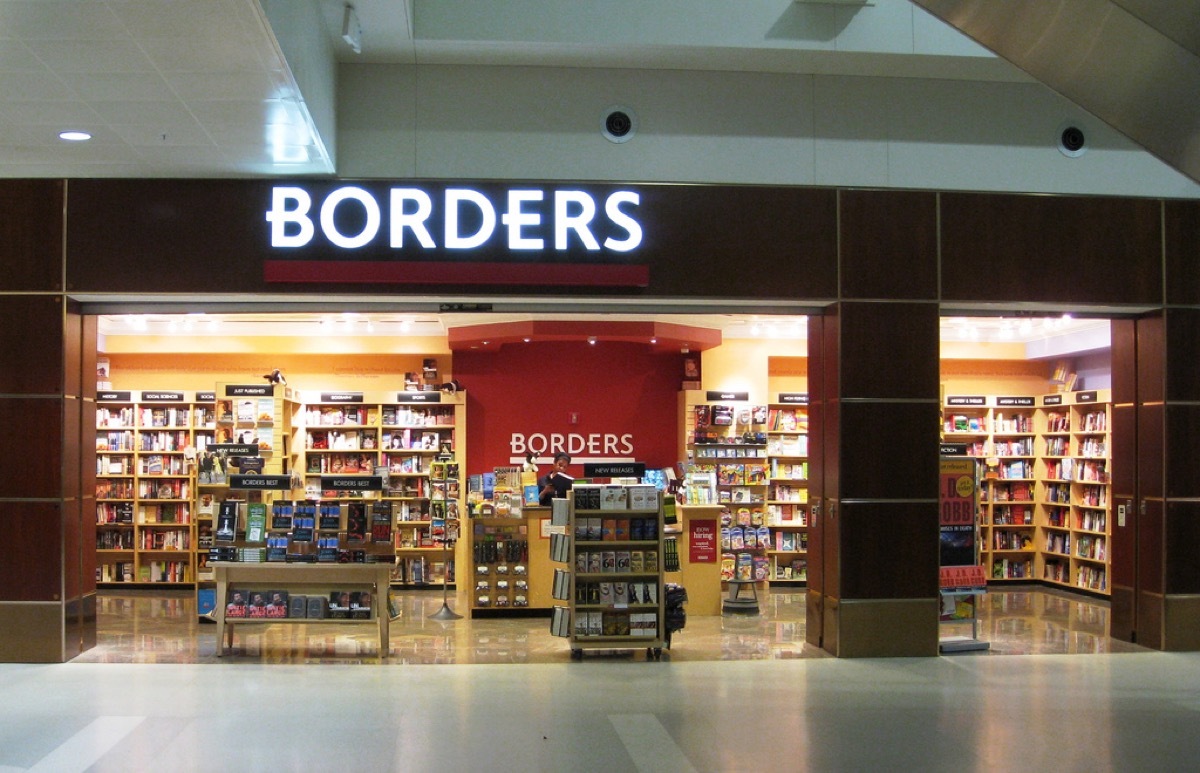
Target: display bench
310, 581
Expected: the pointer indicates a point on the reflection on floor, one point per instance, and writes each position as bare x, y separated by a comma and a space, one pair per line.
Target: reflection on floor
162, 627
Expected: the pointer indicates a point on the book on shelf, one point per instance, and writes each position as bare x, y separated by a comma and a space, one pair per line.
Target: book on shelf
356, 522
227, 521
256, 522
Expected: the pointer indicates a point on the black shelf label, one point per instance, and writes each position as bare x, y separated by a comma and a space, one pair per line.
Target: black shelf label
795, 398
1087, 397
615, 470
350, 483
236, 449
341, 397
966, 400
162, 397
261, 482
1052, 400
952, 449
206, 397
1015, 402
249, 390
718, 396
418, 397
114, 397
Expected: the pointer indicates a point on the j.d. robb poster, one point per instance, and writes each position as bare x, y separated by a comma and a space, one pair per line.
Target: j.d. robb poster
959, 564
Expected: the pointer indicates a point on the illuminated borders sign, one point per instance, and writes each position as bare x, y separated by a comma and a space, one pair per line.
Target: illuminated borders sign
482, 234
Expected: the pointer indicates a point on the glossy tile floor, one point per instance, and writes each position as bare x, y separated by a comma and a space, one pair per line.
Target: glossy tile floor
733, 694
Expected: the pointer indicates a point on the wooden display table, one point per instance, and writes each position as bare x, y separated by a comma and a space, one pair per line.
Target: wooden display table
314, 579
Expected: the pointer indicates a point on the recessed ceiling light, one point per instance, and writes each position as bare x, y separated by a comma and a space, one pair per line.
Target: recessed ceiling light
74, 136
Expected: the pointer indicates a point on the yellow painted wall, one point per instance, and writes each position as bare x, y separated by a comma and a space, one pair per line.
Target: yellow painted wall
995, 377
305, 372
743, 365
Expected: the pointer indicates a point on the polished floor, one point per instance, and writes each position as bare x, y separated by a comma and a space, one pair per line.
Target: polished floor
733, 693
146, 627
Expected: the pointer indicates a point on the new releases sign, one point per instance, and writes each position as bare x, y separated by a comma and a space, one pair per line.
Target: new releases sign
427, 234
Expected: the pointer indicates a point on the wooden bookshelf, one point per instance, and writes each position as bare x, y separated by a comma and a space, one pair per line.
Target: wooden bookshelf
787, 492
1044, 492
145, 480
397, 436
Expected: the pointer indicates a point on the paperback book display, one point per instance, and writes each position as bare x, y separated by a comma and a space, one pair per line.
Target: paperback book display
613, 555
344, 604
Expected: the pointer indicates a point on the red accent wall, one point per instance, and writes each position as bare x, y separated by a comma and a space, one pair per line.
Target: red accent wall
616, 388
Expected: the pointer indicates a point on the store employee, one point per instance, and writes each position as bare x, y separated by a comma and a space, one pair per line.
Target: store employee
557, 483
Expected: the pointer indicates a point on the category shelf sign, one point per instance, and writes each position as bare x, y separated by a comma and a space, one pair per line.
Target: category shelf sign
959, 565
351, 483
418, 397
261, 482
615, 470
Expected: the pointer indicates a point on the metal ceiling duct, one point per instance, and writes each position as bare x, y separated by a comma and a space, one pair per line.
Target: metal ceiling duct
1134, 64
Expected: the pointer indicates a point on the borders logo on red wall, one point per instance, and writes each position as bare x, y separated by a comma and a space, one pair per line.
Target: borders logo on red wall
609, 402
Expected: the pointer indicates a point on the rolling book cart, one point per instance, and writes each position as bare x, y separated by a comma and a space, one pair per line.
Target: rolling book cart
613, 580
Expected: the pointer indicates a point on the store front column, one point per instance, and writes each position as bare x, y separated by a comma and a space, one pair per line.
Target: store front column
47, 510
1167, 579
873, 589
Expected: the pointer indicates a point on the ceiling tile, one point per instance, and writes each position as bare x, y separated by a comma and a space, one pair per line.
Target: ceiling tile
119, 55
229, 85
51, 113
58, 20
145, 113
19, 86
184, 133
125, 87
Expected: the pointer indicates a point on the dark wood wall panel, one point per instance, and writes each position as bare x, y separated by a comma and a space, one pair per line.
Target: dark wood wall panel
39, 473
1151, 450
1181, 535
1151, 533
71, 449
32, 565
1124, 492
1182, 447
1182, 240
1151, 359
888, 244
817, 428
873, 534
889, 350
1051, 249
31, 344
73, 547
889, 451
1123, 360
31, 227
1183, 353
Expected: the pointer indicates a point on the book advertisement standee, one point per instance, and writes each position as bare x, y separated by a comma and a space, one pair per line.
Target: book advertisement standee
444, 515
962, 579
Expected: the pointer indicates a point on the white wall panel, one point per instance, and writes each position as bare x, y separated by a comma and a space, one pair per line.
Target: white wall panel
397, 121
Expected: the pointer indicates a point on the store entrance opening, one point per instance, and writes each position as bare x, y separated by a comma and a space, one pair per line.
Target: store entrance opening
510, 388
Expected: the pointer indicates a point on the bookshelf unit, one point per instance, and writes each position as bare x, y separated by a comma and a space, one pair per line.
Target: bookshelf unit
614, 576
145, 478
1044, 498
726, 442
787, 490
398, 435
245, 437
1074, 509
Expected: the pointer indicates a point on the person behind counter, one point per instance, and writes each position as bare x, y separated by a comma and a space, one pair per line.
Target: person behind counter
557, 482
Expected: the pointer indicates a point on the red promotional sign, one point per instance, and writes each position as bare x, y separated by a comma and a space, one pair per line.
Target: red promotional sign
702, 541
